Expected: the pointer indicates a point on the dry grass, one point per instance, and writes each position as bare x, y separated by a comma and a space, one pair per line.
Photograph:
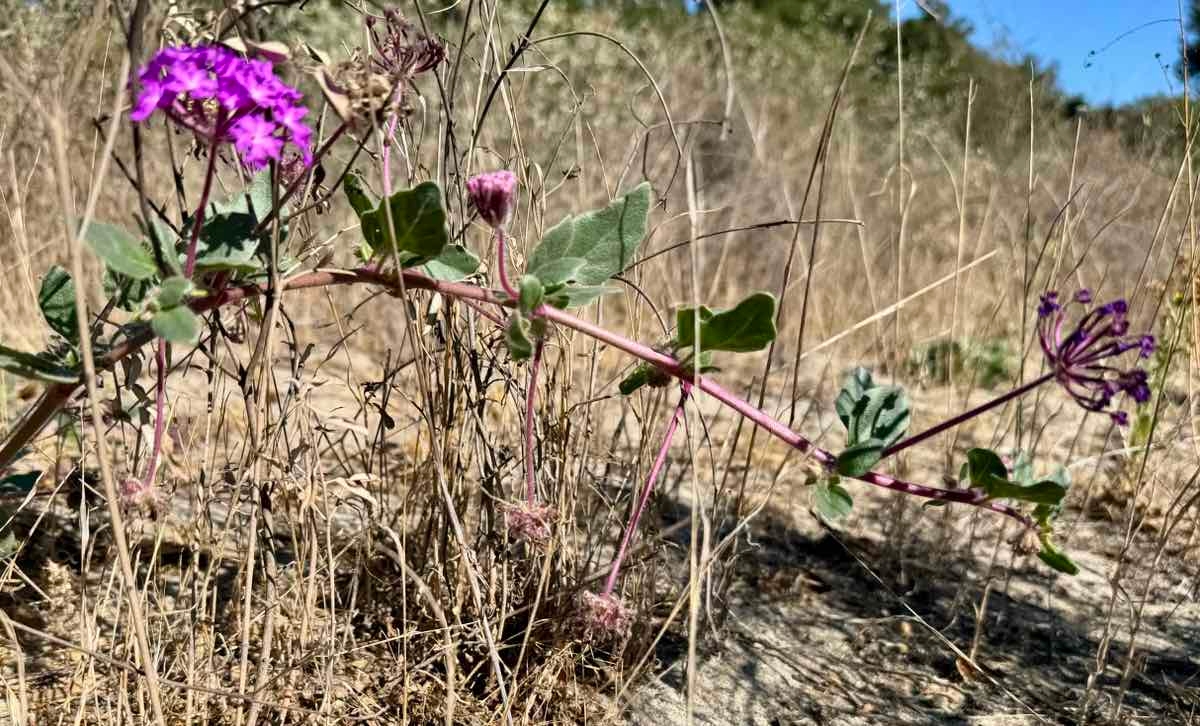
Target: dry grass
329, 545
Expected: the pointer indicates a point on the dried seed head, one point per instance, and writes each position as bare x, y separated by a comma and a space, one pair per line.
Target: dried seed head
605, 617
529, 522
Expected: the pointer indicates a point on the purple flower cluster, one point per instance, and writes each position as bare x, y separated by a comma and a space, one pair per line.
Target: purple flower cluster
1080, 358
222, 97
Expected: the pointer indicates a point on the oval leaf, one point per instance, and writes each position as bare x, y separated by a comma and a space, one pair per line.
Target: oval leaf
178, 325
121, 251
859, 458
57, 301
607, 239
748, 326
832, 501
418, 223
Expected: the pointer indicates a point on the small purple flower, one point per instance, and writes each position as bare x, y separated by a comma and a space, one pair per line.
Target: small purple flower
225, 98
492, 194
255, 139
605, 617
1081, 358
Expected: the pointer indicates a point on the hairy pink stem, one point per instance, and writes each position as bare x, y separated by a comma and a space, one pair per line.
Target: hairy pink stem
530, 396
160, 417
966, 416
160, 357
56, 395
198, 222
502, 264
386, 156
655, 470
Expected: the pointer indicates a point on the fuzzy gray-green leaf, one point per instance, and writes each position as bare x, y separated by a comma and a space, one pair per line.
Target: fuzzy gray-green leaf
607, 239
121, 251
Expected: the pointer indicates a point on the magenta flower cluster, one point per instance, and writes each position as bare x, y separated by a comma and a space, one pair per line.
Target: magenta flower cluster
1081, 359
223, 97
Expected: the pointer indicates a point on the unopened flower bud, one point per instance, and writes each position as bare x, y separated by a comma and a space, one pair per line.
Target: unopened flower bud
493, 194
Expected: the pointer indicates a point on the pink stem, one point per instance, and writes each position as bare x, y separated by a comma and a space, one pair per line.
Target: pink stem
57, 395
502, 264
198, 222
655, 470
160, 418
387, 157
535, 364
160, 358
966, 416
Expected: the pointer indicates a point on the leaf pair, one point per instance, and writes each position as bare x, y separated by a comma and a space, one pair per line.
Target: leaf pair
875, 416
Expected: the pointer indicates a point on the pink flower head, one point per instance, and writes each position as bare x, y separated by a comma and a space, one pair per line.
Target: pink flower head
493, 195
604, 617
529, 522
225, 98
1083, 356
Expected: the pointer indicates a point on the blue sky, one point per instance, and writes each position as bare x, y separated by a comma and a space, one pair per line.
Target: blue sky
1121, 33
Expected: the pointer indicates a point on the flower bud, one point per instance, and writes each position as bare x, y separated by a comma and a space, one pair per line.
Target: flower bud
493, 195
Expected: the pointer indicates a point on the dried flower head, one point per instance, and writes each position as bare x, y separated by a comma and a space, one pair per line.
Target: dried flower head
493, 194
401, 50
529, 522
222, 97
605, 617
1081, 359
136, 495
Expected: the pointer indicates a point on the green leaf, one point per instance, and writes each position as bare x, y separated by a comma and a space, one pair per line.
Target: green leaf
418, 222
174, 291
1049, 493
1056, 558
455, 263
982, 463
635, 380
356, 193
985, 470
57, 301
529, 294
855, 388
37, 367
557, 272
228, 240
832, 501
1022, 472
177, 325
574, 296
19, 484
869, 410
121, 251
747, 326
859, 458
516, 335
645, 374
882, 413
606, 239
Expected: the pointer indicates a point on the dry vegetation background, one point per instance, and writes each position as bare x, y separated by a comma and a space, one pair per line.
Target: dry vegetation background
342, 558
